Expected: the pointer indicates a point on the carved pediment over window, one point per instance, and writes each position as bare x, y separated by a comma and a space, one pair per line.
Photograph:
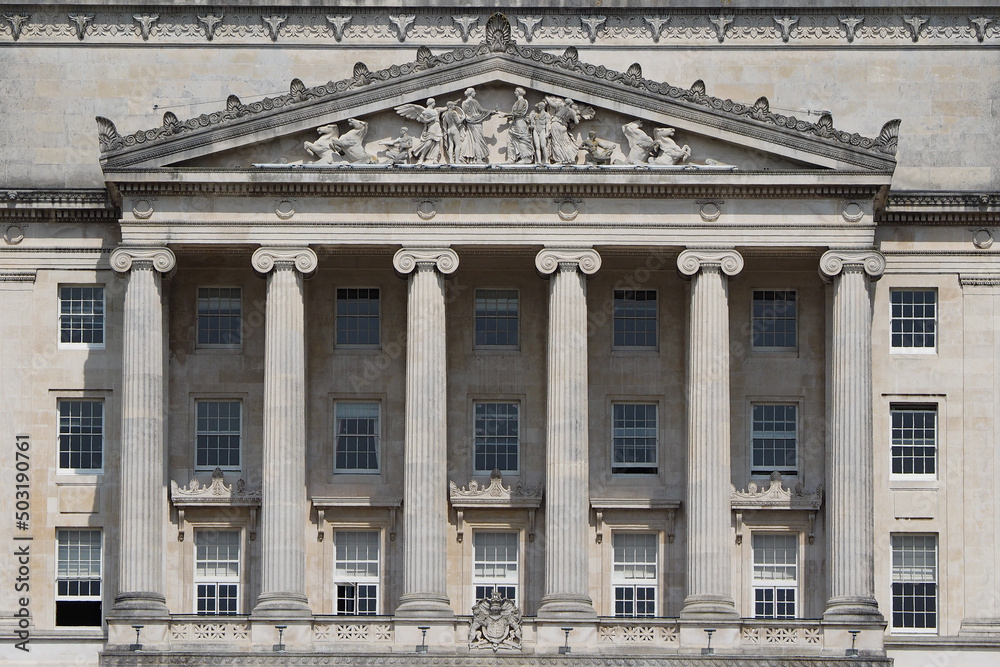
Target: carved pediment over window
775, 496
495, 494
197, 494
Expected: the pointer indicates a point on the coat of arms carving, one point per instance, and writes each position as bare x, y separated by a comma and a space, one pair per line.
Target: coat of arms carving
496, 624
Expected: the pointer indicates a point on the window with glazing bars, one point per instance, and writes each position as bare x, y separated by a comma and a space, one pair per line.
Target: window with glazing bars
220, 316
81, 315
217, 434
496, 438
356, 575
635, 318
914, 439
633, 437
497, 318
775, 576
357, 437
217, 571
634, 578
495, 566
774, 319
914, 583
774, 439
358, 316
914, 319
78, 577
81, 436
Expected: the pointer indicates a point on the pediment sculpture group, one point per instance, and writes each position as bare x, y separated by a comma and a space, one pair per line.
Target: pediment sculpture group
455, 134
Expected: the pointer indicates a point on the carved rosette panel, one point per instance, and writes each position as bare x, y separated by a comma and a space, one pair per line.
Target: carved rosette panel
692, 261
832, 263
304, 259
586, 259
444, 260
163, 259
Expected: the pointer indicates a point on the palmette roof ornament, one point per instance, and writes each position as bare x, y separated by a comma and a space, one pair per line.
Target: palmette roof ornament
499, 50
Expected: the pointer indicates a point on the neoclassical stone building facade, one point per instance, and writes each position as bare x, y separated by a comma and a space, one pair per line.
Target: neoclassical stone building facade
506, 344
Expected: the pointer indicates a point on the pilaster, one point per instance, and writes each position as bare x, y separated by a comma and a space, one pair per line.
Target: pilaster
850, 512
142, 483
567, 479
283, 498
425, 491
709, 542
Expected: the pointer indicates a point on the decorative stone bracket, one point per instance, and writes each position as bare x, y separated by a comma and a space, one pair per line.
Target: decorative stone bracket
216, 494
601, 505
324, 503
494, 496
776, 497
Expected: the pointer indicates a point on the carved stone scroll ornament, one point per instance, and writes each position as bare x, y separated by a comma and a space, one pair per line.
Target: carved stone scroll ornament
550, 260
162, 259
833, 262
304, 259
406, 260
495, 493
694, 260
496, 624
217, 493
776, 496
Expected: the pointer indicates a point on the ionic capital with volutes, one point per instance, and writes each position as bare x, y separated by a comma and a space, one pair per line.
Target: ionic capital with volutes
833, 262
693, 260
162, 259
406, 260
303, 259
586, 260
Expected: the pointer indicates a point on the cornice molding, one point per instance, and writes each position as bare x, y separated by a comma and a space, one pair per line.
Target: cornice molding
303, 259
940, 208
832, 263
406, 260
162, 259
586, 260
36, 204
693, 260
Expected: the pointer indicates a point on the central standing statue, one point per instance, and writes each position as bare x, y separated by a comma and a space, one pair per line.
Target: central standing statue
519, 144
474, 148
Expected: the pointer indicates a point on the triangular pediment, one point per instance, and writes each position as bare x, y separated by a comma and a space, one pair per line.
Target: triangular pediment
720, 134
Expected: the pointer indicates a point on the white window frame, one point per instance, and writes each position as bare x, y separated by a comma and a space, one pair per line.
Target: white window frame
61, 562
774, 584
198, 316
902, 349
754, 318
786, 471
495, 316
632, 469
615, 317
478, 440
353, 579
343, 403
624, 569
216, 579
68, 470
104, 317
198, 434
902, 574
507, 580
337, 316
897, 407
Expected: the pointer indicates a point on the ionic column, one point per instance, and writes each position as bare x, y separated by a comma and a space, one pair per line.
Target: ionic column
567, 492
425, 498
850, 518
708, 502
283, 512
142, 484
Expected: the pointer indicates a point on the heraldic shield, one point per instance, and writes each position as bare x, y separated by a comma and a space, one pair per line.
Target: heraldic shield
496, 623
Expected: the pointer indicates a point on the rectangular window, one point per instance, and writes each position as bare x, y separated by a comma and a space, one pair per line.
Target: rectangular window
914, 439
81, 436
496, 441
357, 572
774, 320
914, 583
914, 319
81, 315
78, 577
635, 318
357, 438
217, 571
633, 436
495, 566
775, 576
497, 318
635, 574
358, 316
774, 439
218, 434
220, 316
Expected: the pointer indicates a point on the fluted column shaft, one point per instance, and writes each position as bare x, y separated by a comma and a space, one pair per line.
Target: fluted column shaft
425, 499
708, 505
283, 499
142, 506
850, 512
567, 492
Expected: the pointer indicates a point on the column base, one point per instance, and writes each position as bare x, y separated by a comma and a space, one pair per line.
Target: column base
852, 610
709, 607
566, 607
281, 605
146, 604
424, 605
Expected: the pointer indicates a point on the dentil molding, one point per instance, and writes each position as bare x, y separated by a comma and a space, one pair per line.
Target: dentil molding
406, 260
163, 259
586, 259
264, 259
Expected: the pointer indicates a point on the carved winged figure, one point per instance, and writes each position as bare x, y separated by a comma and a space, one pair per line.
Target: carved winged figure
566, 115
496, 623
428, 148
